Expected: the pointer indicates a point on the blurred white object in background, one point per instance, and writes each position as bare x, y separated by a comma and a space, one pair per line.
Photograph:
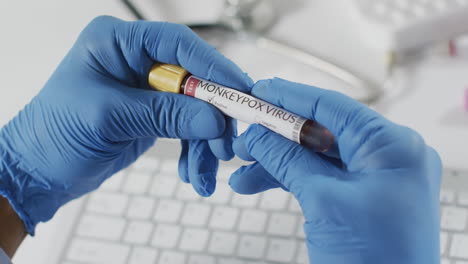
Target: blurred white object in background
249, 22
179, 11
403, 25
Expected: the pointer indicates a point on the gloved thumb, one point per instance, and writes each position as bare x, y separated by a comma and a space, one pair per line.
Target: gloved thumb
284, 160
144, 113
252, 179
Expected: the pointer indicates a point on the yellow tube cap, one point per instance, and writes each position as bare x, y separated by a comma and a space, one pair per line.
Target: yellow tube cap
166, 77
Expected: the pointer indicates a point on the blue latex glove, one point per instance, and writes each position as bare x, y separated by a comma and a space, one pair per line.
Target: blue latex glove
377, 204
96, 115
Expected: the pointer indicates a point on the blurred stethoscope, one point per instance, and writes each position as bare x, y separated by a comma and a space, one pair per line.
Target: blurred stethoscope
251, 18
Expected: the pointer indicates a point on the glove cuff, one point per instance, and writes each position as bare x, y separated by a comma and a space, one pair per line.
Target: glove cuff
10, 177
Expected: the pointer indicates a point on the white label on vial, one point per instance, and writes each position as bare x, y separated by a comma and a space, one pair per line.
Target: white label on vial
246, 108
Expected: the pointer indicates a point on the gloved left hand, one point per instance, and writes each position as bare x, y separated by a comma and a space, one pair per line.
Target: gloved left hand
377, 203
96, 115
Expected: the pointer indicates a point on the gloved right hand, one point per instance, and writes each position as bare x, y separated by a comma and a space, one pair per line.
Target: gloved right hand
378, 203
97, 114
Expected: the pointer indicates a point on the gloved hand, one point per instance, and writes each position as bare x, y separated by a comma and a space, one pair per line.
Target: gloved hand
97, 114
377, 204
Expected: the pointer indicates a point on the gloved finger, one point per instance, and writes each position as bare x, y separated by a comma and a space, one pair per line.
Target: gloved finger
252, 179
202, 167
127, 50
346, 118
240, 149
137, 113
222, 147
184, 161
178, 44
279, 156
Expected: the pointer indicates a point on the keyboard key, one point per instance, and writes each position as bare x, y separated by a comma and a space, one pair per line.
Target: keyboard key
300, 229
171, 257
201, 259
300, 232
97, 252
398, 18
461, 173
294, 206
165, 236
114, 182
194, 239
195, 214
441, 5
185, 192
168, 211
418, 10
224, 172
447, 196
107, 203
137, 182
229, 261
138, 232
143, 255
141, 207
282, 224
221, 195
223, 243
443, 242
164, 186
224, 217
274, 199
463, 198
459, 246
403, 4
444, 261
380, 8
449, 172
146, 164
252, 246
281, 250
302, 254
453, 218
245, 201
253, 221
101, 227
169, 168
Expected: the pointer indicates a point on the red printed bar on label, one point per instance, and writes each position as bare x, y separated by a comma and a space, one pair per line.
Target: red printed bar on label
191, 86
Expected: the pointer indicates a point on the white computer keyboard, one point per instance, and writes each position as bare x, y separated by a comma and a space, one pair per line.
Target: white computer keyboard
453, 222
145, 214
399, 25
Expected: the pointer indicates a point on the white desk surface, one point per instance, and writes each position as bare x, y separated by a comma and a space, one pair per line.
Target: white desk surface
37, 34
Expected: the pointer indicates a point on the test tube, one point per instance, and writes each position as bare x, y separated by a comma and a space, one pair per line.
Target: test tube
241, 106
